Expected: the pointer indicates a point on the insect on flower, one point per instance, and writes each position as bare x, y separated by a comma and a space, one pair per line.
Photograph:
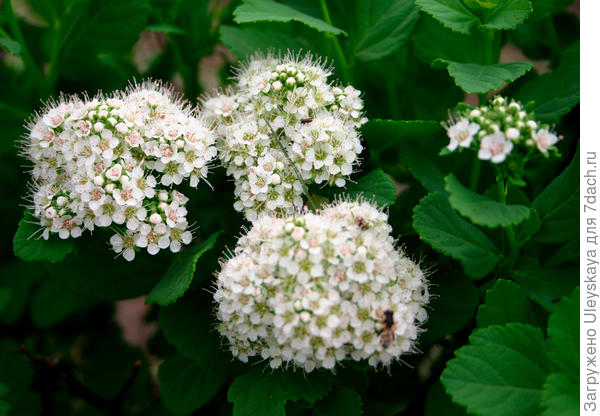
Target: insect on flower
306, 120
386, 333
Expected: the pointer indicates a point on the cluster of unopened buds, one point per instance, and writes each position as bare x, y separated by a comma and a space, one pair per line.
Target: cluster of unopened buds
497, 129
113, 161
283, 126
314, 289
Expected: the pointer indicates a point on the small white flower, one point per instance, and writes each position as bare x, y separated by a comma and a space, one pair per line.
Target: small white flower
495, 147
544, 139
461, 134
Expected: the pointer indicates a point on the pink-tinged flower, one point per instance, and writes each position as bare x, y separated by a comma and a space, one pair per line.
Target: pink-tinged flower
495, 147
544, 139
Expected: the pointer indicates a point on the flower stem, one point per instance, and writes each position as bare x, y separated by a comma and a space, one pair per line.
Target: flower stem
337, 48
510, 232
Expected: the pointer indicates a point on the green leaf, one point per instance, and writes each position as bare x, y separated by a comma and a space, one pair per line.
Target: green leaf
5, 293
267, 10
180, 273
340, 401
477, 79
451, 13
186, 386
16, 375
424, 169
558, 206
505, 302
383, 134
166, 28
561, 396
446, 315
547, 286
433, 41
244, 41
438, 403
19, 277
563, 336
203, 344
441, 227
376, 185
259, 393
10, 46
482, 210
507, 14
501, 372
381, 27
30, 246
557, 92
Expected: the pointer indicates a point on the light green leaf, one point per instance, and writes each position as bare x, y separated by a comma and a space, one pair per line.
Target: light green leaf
441, 227
30, 246
505, 302
563, 336
477, 79
186, 386
10, 46
482, 210
340, 401
180, 273
246, 40
267, 10
558, 206
557, 92
561, 396
547, 286
446, 315
381, 27
501, 372
451, 13
376, 185
259, 393
507, 14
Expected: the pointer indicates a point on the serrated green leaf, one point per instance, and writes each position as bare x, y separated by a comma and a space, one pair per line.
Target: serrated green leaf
501, 372
10, 46
203, 343
381, 27
558, 206
245, 40
505, 302
29, 246
557, 92
438, 403
561, 396
563, 336
440, 226
259, 393
478, 79
340, 401
376, 185
267, 10
447, 316
433, 41
180, 273
547, 286
186, 386
507, 14
451, 13
482, 210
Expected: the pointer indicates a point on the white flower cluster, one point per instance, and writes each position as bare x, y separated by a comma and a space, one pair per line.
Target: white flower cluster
284, 125
314, 289
495, 130
112, 162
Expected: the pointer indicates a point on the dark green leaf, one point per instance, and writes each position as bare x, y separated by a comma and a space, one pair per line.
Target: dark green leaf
166, 28
482, 210
441, 227
267, 10
381, 27
376, 185
340, 401
246, 40
501, 372
10, 46
259, 393
558, 206
30, 246
477, 79
16, 374
438, 403
547, 286
505, 302
451, 13
19, 277
563, 336
383, 134
180, 274
186, 386
561, 396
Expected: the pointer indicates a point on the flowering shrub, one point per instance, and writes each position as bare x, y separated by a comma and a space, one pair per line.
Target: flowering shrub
364, 207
